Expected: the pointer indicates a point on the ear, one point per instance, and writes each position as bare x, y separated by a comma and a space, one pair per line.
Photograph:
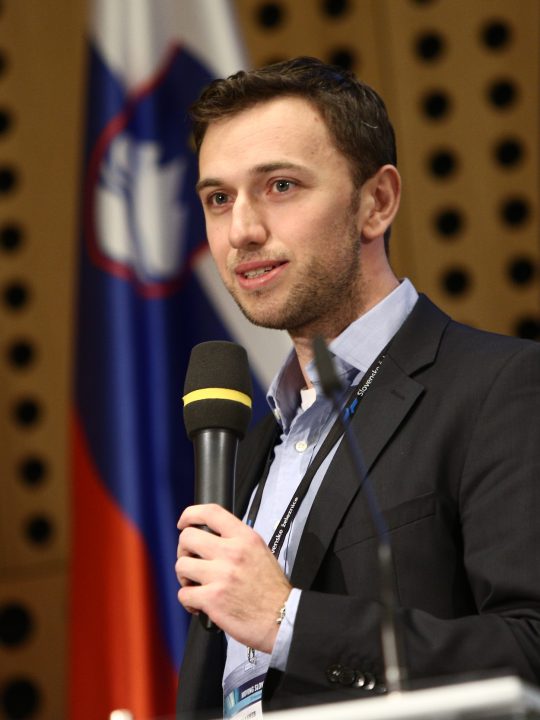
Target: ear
380, 196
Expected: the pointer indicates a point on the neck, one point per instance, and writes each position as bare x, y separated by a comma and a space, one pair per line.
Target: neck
304, 353
302, 338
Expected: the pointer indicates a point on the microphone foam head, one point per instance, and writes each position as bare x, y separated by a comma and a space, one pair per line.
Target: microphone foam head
217, 388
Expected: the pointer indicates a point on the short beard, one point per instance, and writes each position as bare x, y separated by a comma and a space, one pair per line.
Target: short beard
319, 302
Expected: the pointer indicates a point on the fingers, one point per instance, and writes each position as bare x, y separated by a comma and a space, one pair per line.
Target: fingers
230, 575
203, 556
188, 571
195, 548
219, 520
187, 602
191, 572
192, 601
196, 542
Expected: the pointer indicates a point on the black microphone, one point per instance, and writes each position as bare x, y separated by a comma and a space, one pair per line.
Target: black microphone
392, 646
217, 411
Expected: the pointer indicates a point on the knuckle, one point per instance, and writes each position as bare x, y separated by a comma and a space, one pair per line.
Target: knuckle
235, 554
255, 541
230, 575
218, 594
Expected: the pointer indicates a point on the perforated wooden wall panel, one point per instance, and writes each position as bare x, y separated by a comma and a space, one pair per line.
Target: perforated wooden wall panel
460, 78
40, 108
343, 32
464, 90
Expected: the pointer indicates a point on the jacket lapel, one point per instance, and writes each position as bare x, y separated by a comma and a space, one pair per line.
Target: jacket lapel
381, 412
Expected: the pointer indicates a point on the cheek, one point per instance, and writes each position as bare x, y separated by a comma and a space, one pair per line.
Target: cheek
218, 243
318, 228
297, 224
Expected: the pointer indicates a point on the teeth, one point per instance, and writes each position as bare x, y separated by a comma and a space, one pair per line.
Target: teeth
258, 272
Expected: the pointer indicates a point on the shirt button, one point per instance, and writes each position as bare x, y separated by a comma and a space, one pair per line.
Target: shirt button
301, 446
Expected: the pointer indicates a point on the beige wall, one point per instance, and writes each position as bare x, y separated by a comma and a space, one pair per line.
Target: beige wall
41, 90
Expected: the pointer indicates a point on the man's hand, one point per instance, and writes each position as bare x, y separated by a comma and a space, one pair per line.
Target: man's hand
231, 576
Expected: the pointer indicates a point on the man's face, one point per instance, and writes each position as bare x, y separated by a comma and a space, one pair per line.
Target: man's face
282, 217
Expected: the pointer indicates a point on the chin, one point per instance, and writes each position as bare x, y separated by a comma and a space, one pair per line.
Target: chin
261, 317
266, 321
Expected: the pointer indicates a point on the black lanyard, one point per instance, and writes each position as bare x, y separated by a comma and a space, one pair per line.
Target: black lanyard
336, 431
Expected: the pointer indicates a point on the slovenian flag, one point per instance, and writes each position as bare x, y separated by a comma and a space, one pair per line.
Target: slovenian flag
148, 292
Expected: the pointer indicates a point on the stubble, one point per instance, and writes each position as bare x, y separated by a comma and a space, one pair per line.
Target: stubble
326, 295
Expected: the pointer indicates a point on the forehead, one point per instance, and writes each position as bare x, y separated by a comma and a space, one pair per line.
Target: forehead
288, 127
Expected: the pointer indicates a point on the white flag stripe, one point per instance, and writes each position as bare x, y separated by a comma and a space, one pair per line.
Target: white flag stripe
213, 35
132, 36
206, 27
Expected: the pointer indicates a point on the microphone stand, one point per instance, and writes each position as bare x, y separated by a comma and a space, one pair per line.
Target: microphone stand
393, 655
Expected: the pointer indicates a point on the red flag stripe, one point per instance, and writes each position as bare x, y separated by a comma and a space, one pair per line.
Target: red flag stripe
118, 659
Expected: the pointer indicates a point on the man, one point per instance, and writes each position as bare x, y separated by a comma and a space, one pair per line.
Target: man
299, 188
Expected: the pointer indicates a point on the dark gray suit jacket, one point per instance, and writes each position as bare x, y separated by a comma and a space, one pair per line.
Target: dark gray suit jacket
450, 432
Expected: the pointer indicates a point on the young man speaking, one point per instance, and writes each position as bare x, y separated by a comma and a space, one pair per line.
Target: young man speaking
299, 186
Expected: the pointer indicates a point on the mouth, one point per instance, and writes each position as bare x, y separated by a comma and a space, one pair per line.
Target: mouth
258, 274
250, 274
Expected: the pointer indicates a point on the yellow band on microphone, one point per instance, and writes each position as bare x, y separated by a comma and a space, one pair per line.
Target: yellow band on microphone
217, 394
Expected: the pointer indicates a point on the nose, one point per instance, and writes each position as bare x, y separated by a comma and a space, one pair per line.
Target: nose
247, 225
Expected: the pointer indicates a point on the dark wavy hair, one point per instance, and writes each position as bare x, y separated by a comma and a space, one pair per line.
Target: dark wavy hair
354, 114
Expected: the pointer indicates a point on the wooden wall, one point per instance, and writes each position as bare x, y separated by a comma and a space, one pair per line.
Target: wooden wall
461, 81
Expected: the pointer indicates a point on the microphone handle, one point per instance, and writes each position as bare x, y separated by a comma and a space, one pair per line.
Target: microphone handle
215, 463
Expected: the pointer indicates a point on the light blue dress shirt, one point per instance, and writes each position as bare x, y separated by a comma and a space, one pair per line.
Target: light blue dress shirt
303, 432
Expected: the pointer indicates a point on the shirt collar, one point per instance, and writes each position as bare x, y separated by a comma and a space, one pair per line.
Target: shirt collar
354, 350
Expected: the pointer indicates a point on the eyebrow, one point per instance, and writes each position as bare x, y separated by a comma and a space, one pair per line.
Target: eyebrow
261, 169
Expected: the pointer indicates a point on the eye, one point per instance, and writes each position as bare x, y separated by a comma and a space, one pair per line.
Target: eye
283, 186
218, 198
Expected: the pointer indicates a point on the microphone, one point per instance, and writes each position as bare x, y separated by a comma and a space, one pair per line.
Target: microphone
393, 655
217, 411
